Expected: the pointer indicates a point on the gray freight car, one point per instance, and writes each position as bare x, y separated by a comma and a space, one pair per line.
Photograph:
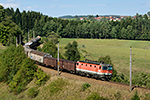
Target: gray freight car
38, 56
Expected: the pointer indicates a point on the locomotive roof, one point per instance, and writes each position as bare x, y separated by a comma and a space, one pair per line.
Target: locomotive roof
97, 63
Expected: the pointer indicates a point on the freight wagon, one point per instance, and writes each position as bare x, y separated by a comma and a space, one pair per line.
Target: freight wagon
84, 68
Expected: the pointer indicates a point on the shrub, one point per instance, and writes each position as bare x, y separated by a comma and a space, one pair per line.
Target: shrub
16, 69
32, 92
41, 77
57, 85
135, 96
147, 96
85, 86
142, 79
95, 96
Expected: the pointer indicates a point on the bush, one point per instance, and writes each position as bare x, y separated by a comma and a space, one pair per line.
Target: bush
95, 96
16, 69
142, 79
41, 77
57, 85
85, 86
147, 96
33, 92
135, 97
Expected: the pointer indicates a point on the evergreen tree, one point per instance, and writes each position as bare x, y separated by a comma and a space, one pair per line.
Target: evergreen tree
72, 52
2, 13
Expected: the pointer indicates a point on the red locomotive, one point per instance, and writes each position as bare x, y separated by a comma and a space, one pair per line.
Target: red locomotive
84, 68
94, 69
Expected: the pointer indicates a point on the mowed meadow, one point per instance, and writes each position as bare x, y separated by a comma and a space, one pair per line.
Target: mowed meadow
118, 50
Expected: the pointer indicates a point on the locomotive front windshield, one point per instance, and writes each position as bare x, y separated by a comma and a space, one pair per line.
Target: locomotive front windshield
107, 68
110, 68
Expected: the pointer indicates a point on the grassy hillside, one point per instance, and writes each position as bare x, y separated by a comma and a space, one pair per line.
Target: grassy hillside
71, 90
2, 48
118, 50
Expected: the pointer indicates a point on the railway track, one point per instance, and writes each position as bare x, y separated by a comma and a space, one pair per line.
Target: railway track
91, 80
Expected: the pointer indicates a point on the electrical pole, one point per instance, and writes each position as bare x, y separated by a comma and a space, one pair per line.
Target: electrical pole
28, 35
20, 39
130, 69
33, 34
16, 41
58, 59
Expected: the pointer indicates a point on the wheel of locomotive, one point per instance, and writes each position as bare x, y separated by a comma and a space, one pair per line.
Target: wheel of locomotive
71, 72
55, 68
88, 75
103, 79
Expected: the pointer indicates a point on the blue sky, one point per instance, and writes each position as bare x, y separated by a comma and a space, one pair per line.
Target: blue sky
56, 8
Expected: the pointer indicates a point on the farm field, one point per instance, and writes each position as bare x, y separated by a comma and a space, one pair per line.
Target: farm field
118, 50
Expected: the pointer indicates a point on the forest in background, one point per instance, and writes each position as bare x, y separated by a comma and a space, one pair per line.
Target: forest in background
15, 23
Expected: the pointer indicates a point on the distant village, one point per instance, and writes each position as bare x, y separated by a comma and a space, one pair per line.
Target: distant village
108, 17
114, 18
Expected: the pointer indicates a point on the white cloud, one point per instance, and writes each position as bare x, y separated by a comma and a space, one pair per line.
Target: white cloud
9, 5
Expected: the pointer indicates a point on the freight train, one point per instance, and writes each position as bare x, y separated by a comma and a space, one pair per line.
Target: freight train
84, 68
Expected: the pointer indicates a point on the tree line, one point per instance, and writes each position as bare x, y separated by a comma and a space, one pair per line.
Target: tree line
15, 23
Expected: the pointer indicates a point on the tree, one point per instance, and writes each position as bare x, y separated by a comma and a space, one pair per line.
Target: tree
148, 13
123, 33
18, 17
72, 52
3, 34
2, 13
50, 47
53, 37
13, 31
97, 15
130, 34
113, 33
145, 16
91, 16
49, 27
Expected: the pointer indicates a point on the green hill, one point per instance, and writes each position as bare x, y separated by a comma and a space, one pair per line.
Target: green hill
118, 50
67, 87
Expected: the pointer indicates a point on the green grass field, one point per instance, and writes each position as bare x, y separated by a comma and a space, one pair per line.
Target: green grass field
118, 50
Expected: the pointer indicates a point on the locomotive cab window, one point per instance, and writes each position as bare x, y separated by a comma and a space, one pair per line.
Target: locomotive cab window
105, 68
95, 66
77, 63
99, 67
110, 68
81, 64
90, 65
